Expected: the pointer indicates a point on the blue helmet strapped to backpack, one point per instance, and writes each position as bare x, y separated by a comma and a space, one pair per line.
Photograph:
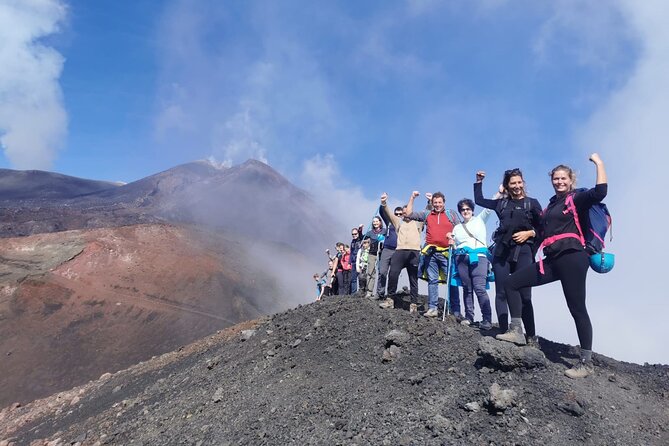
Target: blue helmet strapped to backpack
602, 262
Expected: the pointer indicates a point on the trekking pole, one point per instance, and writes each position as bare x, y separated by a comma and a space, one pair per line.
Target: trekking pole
447, 300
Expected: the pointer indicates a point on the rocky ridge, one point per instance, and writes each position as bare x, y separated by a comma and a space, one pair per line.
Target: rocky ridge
343, 371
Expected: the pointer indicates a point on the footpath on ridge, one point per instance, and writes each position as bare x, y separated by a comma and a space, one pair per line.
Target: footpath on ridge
344, 371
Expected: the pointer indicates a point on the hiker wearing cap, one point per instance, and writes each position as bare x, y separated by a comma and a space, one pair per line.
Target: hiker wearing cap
471, 258
389, 246
407, 252
514, 248
375, 237
566, 259
439, 229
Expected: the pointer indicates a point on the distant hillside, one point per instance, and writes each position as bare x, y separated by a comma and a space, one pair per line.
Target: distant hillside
344, 371
39, 185
76, 304
251, 199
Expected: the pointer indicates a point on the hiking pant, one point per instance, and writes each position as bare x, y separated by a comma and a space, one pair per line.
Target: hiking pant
354, 279
503, 266
384, 266
404, 258
362, 280
343, 278
437, 262
474, 279
371, 274
571, 269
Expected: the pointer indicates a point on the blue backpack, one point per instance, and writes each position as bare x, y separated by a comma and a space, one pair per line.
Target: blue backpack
596, 223
593, 231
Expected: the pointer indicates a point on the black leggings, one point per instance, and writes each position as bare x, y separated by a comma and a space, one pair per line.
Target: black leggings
571, 269
404, 258
503, 266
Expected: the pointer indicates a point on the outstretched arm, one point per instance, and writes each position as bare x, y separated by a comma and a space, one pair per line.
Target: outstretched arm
601, 172
478, 193
485, 213
385, 212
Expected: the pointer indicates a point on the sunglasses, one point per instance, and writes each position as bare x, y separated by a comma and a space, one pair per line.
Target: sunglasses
513, 172
399, 214
465, 209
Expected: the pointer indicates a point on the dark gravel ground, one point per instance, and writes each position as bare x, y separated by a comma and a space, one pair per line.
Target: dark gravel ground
343, 371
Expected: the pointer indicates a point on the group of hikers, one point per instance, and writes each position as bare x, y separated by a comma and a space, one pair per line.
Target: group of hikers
455, 252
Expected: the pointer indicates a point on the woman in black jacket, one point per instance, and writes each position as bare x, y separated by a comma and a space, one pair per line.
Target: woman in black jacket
566, 259
514, 239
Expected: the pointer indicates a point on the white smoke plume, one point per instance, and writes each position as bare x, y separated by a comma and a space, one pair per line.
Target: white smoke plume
33, 120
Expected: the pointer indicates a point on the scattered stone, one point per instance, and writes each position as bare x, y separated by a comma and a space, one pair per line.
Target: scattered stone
105, 376
247, 334
397, 337
501, 399
391, 353
296, 343
507, 356
572, 407
213, 362
318, 323
218, 395
417, 379
474, 406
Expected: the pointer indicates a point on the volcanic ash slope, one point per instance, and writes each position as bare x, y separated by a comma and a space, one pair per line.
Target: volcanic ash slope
344, 371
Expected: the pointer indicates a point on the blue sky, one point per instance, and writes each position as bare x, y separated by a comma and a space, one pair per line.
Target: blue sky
349, 99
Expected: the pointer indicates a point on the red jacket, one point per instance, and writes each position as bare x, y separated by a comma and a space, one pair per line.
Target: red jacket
437, 226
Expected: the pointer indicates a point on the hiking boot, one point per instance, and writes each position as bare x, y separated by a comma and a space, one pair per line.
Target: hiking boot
533, 341
581, 370
432, 312
514, 334
387, 303
413, 308
485, 325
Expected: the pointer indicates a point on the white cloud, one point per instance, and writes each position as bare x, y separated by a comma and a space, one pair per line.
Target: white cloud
265, 98
33, 120
324, 180
591, 33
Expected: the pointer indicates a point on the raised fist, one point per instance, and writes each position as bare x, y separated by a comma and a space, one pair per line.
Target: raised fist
415, 193
428, 195
384, 197
480, 175
595, 158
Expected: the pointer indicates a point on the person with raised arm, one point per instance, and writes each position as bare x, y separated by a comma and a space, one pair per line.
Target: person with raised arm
566, 259
407, 252
471, 259
375, 236
514, 239
439, 229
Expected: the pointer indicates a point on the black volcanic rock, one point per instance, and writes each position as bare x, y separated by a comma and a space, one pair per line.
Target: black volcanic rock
316, 375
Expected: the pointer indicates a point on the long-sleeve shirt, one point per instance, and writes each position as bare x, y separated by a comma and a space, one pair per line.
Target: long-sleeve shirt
556, 221
391, 231
513, 217
476, 227
408, 232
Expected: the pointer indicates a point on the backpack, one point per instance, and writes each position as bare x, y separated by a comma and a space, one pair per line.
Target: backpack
596, 223
495, 237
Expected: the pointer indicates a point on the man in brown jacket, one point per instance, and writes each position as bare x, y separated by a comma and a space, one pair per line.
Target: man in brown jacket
407, 252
